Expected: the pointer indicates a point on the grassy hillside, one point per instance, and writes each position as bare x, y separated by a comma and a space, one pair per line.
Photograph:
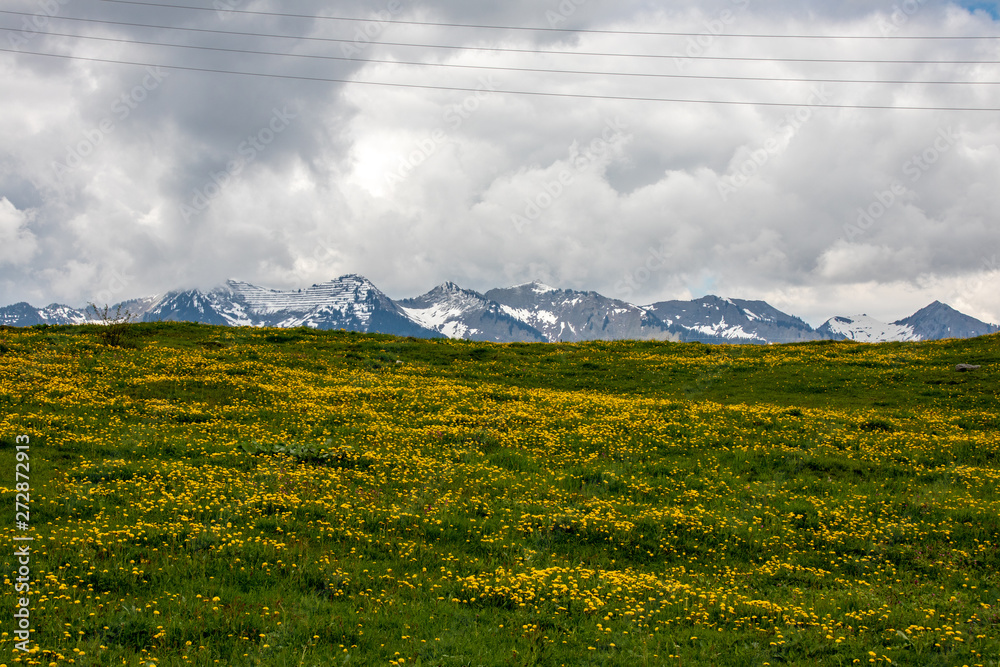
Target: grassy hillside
291, 497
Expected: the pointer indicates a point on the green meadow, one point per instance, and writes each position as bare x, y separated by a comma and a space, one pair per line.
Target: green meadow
228, 496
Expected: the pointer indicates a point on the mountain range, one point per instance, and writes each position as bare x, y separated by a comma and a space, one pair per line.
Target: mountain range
532, 312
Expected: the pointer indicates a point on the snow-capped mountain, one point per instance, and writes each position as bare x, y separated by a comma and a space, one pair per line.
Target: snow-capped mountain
712, 319
933, 322
194, 306
865, 329
461, 313
940, 320
350, 302
568, 315
138, 307
532, 312
24, 314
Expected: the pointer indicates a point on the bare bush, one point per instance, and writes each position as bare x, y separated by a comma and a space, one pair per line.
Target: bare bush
116, 327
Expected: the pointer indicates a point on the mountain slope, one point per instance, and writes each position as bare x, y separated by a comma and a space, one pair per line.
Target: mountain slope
460, 313
350, 302
24, 314
712, 319
939, 320
569, 315
192, 306
933, 322
532, 312
865, 329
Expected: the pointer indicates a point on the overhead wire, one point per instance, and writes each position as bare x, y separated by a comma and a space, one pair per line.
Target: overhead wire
498, 68
233, 10
542, 70
509, 92
498, 49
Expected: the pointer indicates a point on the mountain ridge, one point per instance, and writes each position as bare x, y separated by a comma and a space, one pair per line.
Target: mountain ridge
570, 316
529, 312
460, 313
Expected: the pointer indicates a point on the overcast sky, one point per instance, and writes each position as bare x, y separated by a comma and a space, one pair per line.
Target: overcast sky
124, 180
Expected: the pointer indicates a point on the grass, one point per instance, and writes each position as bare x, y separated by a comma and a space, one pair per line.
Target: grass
211, 495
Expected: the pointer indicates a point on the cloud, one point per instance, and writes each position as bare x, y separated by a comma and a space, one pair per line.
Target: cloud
17, 243
172, 178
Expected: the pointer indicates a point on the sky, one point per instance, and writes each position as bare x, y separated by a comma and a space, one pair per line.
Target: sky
741, 166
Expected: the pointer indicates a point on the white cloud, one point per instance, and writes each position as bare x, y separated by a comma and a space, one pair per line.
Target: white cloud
17, 243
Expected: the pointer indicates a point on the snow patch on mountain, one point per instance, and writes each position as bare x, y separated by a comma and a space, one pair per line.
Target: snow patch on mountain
865, 329
713, 319
345, 296
460, 313
532, 312
570, 315
721, 329
57, 313
537, 287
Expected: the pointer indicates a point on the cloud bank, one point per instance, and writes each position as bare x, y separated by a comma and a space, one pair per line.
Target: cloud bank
146, 178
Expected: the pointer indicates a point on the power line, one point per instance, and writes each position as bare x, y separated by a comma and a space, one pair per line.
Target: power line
506, 92
550, 29
514, 69
497, 49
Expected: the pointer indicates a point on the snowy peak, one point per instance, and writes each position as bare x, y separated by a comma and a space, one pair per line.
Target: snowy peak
449, 290
541, 288
865, 329
569, 315
340, 292
24, 314
536, 286
196, 306
448, 286
531, 312
712, 319
57, 313
933, 322
350, 302
939, 320
459, 313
